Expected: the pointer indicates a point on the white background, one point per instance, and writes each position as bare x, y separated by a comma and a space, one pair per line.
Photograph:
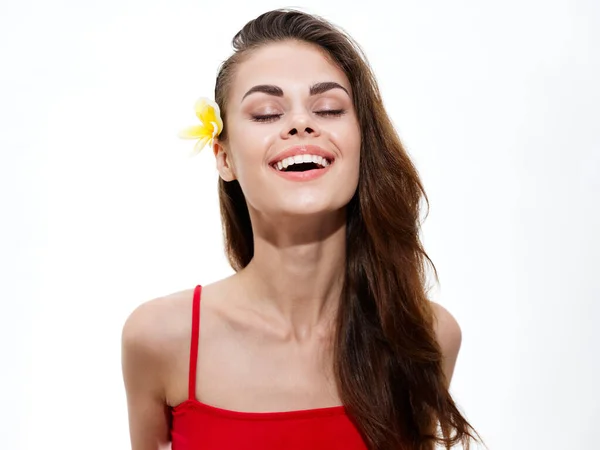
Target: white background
101, 209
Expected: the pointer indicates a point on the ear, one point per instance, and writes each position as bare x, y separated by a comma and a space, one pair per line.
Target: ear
224, 161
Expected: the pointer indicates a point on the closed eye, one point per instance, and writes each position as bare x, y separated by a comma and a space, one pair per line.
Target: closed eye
331, 112
324, 113
266, 118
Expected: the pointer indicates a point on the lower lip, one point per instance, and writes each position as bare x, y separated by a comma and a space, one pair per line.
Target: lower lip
307, 175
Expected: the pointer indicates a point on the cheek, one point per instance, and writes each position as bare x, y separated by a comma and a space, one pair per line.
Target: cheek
346, 136
249, 146
249, 135
350, 144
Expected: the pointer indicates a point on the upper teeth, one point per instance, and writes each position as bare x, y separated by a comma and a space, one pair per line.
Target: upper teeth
285, 162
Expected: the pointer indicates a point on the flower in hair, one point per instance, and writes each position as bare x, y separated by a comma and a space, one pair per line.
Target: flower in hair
210, 126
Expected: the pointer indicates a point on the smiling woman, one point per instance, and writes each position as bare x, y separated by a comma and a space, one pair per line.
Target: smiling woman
324, 337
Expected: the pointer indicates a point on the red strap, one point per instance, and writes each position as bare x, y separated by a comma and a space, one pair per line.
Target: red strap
194, 343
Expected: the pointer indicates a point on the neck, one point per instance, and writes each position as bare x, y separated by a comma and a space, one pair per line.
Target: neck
295, 278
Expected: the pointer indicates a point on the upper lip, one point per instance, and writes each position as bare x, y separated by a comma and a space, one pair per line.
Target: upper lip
302, 150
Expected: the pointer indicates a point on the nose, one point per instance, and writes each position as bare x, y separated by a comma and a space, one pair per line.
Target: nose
301, 124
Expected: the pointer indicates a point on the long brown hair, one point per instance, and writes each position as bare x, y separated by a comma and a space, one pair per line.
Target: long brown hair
388, 364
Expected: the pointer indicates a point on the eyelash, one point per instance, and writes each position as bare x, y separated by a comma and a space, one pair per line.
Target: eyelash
327, 113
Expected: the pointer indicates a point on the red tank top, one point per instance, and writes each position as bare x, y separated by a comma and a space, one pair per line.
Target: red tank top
198, 426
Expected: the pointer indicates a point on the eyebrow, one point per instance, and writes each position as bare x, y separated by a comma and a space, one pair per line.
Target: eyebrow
315, 89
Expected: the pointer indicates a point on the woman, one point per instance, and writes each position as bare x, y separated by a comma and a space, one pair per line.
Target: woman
324, 337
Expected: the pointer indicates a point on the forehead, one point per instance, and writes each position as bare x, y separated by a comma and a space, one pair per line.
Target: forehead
290, 65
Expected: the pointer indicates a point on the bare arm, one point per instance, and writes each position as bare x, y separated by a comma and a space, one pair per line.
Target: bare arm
149, 418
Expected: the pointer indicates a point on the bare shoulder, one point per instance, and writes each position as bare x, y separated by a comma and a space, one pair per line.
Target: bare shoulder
449, 337
157, 326
155, 344
151, 338
447, 327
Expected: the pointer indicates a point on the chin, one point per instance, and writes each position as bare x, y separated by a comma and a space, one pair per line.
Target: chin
309, 208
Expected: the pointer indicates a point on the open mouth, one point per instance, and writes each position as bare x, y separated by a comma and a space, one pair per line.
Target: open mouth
309, 163
302, 167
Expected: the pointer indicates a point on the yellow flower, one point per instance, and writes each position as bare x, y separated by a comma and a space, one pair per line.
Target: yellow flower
210, 126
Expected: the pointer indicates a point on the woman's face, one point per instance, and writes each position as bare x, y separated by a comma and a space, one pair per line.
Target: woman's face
289, 97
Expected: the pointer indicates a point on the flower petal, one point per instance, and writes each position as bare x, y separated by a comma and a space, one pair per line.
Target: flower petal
211, 124
193, 132
201, 105
208, 111
216, 130
218, 119
200, 144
